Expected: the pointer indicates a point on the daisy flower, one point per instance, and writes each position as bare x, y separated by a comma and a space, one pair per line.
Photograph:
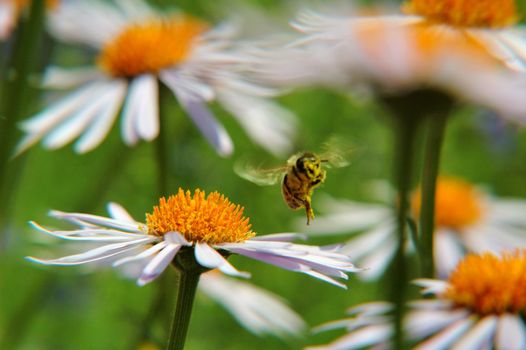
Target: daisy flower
481, 306
257, 310
468, 49
467, 220
10, 11
205, 228
137, 47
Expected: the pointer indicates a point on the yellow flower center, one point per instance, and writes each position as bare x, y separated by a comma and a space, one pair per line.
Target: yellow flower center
457, 203
466, 13
151, 46
488, 284
212, 219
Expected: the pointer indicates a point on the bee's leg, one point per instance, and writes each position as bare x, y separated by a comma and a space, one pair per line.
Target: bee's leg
308, 210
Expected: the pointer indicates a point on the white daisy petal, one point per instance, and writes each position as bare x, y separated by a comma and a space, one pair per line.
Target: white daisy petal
143, 255
511, 333
62, 78
209, 257
97, 220
118, 212
431, 286
214, 132
377, 262
323, 277
99, 253
448, 251
443, 340
364, 337
73, 126
478, 335
147, 122
371, 309
103, 122
291, 264
422, 323
89, 235
175, 237
282, 237
187, 84
269, 125
37, 126
157, 265
256, 309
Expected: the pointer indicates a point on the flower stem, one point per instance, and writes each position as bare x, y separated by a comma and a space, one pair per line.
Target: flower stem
188, 280
13, 97
161, 145
405, 138
435, 137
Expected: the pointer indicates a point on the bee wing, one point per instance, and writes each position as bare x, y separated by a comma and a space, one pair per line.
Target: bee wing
260, 176
336, 153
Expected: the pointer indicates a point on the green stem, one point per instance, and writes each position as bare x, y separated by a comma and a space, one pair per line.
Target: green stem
188, 281
435, 137
14, 94
405, 139
161, 155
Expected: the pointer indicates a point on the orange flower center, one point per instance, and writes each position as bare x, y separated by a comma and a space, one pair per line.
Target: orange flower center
151, 46
488, 284
212, 219
457, 203
466, 13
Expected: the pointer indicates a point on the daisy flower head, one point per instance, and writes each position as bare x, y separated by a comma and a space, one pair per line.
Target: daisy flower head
481, 305
467, 219
477, 57
137, 48
192, 231
10, 11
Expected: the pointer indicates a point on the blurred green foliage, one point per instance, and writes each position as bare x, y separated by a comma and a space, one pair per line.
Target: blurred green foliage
69, 308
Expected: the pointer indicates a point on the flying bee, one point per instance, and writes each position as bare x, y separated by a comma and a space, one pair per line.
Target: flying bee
303, 172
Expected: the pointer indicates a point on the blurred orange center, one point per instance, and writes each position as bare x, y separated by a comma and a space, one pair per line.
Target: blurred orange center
466, 13
212, 219
151, 46
488, 284
457, 203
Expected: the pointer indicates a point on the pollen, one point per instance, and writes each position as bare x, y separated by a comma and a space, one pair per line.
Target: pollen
466, 13
488, 284
151, 46
457, 203
211, 219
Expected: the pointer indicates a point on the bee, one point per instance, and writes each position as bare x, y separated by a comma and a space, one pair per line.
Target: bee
303, 173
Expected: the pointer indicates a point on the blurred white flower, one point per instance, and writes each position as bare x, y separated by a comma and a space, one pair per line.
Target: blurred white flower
480, 62
203, 227
258, 310
466, 218
480, 307
137, 48
367, 327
